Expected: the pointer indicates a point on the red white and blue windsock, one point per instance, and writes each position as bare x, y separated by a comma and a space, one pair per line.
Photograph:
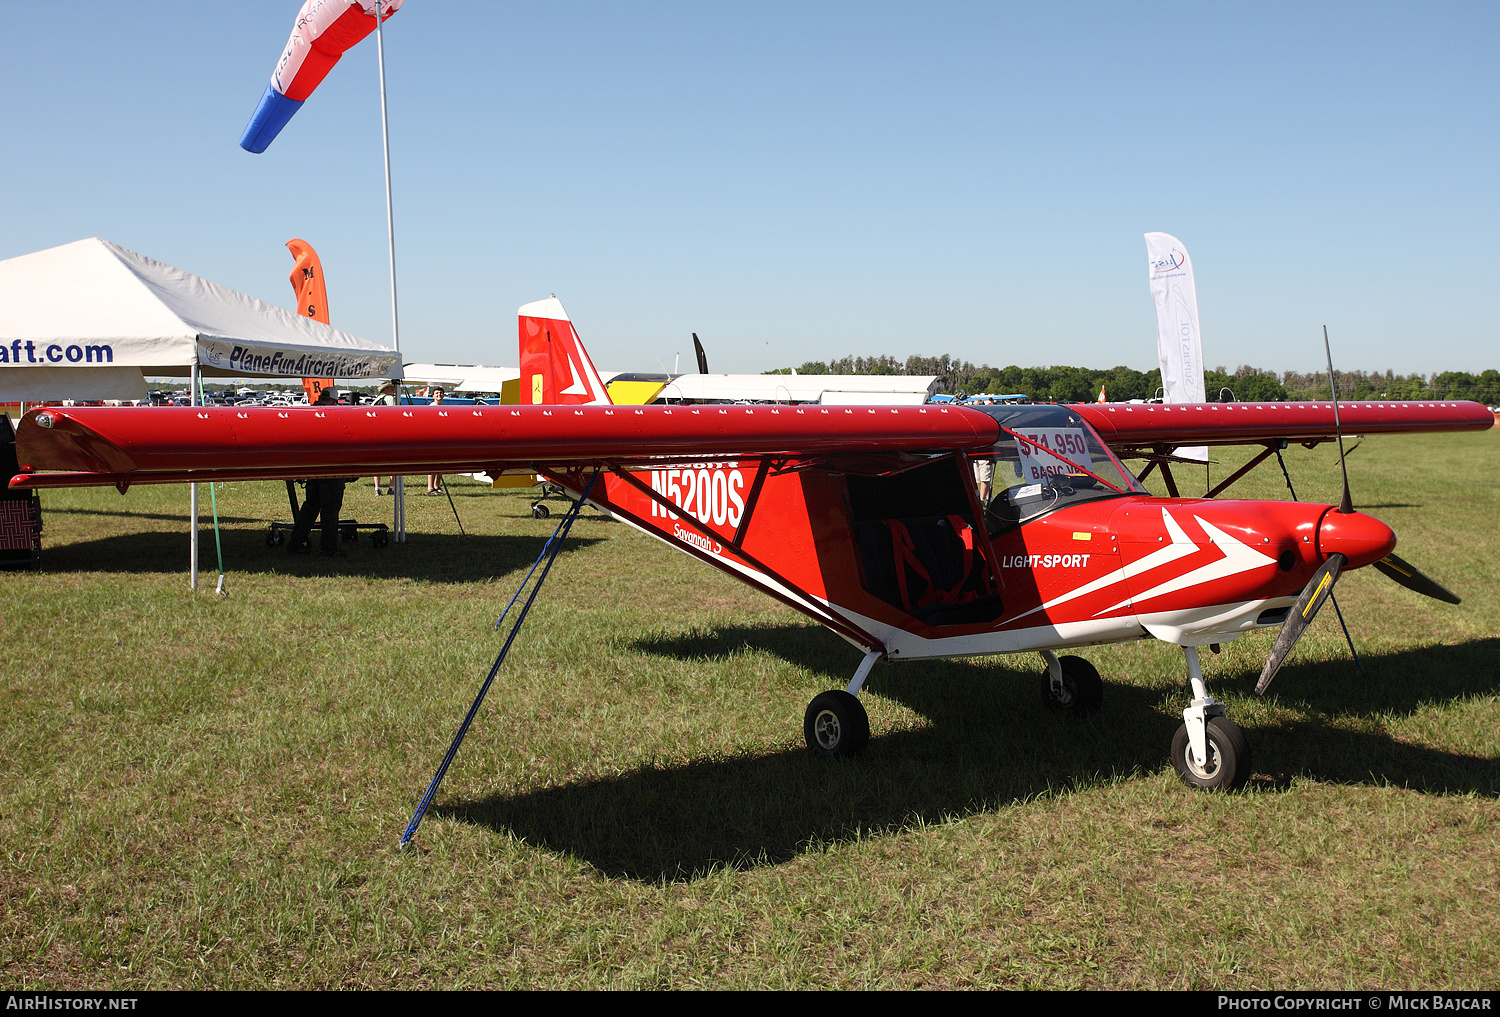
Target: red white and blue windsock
324, 30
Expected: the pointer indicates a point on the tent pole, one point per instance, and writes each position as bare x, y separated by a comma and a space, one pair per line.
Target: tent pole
193, 497
398, 488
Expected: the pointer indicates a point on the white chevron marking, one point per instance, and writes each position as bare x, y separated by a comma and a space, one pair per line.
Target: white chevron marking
1180, 547
1238, 557
577, 388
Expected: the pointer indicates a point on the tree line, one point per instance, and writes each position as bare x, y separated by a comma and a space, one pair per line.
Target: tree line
1244, 384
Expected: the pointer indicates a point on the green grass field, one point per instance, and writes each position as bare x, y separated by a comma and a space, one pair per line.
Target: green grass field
206, 792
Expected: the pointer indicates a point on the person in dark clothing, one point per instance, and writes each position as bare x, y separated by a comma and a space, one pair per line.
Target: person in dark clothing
325, 499
330, 501
302, 522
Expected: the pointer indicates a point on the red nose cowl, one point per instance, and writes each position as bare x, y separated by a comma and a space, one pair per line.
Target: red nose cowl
1360, 538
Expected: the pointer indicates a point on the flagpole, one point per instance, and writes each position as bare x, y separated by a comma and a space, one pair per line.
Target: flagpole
193, 488
398, 486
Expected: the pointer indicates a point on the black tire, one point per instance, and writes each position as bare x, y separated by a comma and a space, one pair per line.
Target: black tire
349, 533
378, 542
1082, 691
1228, 766
540, 512
274, 537
836, 725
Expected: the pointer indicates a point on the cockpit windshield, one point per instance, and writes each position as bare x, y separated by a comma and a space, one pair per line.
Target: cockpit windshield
1047, 457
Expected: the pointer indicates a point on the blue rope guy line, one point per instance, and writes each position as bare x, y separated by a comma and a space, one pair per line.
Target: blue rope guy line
549, 552
566, 521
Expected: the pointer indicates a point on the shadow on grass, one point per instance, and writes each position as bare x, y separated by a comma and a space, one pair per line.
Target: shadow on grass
989, 742
437, 558
178, 517
1392, 682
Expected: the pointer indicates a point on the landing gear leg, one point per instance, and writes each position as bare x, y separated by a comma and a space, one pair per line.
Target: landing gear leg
836, 724
1209, 750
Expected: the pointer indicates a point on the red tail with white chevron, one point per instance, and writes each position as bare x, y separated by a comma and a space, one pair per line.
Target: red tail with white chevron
555, 368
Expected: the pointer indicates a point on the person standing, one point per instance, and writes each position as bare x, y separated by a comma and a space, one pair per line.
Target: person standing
435, 480
324, 501
387, 397
984, 478
302, 522
330, 503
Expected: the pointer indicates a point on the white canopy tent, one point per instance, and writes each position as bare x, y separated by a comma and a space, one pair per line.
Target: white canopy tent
91, 320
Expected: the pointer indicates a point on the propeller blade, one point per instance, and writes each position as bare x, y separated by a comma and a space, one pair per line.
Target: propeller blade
1346, 504
1414, 579
1303, 612
702, 357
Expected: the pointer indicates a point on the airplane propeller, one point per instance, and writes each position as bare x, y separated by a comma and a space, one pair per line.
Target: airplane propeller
1346, 504
1320, 587
702, 357
1414, 579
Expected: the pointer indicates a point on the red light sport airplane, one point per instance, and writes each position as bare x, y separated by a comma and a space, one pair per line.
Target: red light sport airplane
863, 518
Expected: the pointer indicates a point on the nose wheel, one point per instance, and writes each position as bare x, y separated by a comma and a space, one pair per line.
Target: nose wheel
1227, 766
1209, 750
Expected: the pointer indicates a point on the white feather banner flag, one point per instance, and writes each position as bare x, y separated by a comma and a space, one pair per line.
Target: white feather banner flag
1179, 344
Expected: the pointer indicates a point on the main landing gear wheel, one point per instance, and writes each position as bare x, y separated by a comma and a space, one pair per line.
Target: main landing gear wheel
1082, 691
1228, 764
274, 537
836, 725
540, 511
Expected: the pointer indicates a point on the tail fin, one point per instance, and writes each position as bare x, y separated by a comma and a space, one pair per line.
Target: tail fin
555, 368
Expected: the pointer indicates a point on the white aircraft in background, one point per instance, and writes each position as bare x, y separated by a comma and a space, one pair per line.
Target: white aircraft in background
628, 388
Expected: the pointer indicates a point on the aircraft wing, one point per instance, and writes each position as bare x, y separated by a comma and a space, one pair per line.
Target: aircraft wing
122, 446
1145, 425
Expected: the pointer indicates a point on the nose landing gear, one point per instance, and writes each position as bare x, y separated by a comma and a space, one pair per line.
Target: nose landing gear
1209, 750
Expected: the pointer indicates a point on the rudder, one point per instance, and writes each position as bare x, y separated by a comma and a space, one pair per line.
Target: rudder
555, 368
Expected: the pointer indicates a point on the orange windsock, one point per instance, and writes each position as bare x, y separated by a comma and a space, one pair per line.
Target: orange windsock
312, 300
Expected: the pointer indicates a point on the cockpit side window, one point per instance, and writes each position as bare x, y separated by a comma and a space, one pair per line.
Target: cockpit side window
917, 546
1048, 457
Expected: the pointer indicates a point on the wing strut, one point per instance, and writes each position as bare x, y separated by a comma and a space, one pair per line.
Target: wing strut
1237, 474
750, 503
1166, 475
549, 551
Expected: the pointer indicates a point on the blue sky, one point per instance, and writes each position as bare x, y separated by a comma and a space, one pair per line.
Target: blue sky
801, 181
